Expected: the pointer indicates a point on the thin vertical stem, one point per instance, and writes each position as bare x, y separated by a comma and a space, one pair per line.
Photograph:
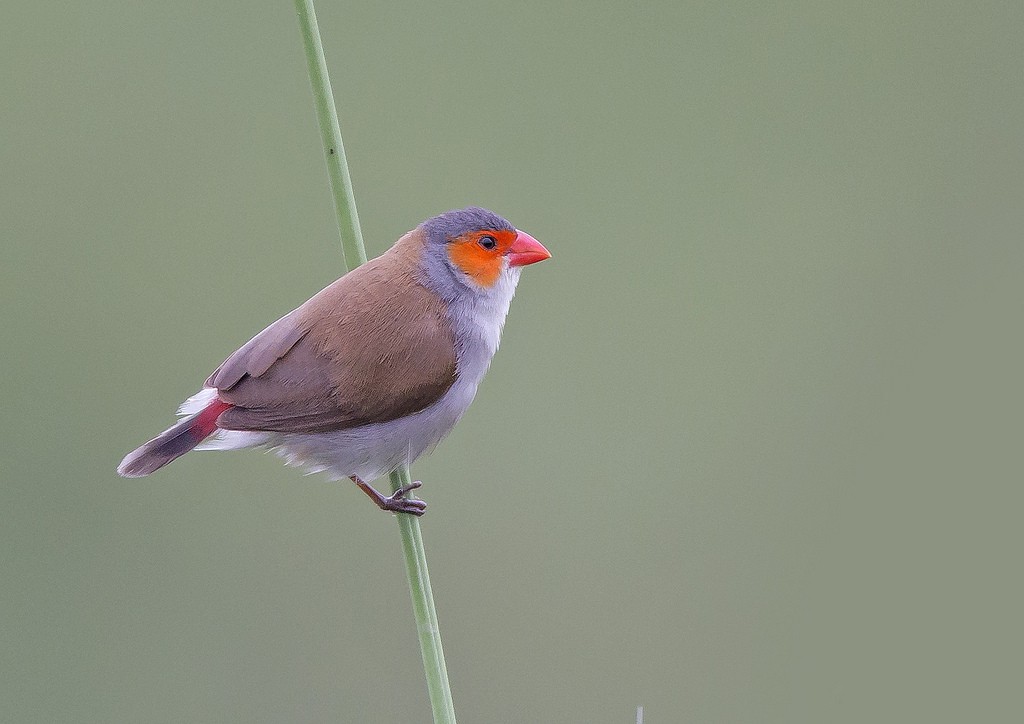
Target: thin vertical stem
423, 608
330, 132
355, 254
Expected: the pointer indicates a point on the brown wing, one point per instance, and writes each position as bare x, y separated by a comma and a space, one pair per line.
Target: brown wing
256, 356
373, 346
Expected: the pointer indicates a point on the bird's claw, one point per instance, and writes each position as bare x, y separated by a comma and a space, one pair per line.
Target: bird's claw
406, 488
411, 506
396, 502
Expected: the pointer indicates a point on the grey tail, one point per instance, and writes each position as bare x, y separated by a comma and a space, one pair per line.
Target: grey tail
169, 445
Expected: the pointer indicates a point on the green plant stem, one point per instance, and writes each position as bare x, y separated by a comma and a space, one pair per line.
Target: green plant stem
352, 247
354, 253
423, 608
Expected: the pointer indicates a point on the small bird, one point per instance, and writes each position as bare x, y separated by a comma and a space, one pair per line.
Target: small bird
374, 370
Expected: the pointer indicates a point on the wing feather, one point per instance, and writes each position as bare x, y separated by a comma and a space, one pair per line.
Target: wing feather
371, 347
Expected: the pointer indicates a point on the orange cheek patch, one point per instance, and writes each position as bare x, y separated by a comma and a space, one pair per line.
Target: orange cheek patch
481, 265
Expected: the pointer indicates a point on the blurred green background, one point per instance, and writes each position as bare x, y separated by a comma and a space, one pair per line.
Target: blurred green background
750, 451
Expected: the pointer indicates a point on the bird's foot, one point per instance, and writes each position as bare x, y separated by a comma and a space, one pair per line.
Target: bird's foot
396, 502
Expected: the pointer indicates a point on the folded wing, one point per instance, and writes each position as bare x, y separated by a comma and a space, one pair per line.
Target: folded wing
372, 347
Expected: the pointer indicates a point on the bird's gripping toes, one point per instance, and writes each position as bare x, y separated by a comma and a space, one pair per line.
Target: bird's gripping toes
374, 370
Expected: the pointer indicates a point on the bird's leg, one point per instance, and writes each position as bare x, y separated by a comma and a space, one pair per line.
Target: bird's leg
397, 502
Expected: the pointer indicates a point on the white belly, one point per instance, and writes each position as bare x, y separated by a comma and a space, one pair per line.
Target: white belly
367, 452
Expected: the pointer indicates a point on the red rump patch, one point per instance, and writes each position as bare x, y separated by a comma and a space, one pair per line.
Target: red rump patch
206, 421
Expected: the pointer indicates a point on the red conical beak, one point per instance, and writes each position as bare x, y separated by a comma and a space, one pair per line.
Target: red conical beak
526, 250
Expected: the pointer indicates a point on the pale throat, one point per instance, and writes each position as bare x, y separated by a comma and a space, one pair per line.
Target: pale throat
478, 320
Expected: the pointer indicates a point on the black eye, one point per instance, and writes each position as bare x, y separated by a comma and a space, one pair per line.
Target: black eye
488, 242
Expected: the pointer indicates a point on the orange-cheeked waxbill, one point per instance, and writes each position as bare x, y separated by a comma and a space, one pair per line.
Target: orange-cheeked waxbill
375, 369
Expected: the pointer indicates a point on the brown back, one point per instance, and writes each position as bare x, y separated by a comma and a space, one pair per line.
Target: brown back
373, 346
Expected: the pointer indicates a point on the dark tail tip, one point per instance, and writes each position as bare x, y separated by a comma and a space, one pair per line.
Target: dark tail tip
172, 443
159, 451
